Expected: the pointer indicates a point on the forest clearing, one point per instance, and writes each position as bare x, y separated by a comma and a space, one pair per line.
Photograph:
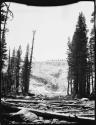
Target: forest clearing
48, 76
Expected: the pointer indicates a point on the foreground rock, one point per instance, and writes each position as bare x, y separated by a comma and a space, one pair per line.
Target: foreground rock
25, 115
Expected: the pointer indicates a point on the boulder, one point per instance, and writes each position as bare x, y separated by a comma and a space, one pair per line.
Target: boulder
26, 115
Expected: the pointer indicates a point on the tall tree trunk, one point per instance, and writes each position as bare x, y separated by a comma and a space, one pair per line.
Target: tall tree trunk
71, 86
92, 82
32, 51
5, 22
88, 83
68, 87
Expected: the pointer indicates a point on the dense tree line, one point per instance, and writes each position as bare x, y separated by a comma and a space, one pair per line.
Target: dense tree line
81, 61
18, 71
17, 77
5, 13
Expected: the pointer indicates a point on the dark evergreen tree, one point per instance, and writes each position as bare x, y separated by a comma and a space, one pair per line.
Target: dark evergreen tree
18, 61
88, 76
69, 77
13, 70
2, 40
31, 55
4, 17
92, 55
25, 72
79, 57
3, 49
9, 81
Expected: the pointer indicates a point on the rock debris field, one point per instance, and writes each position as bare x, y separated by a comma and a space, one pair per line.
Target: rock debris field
36, 110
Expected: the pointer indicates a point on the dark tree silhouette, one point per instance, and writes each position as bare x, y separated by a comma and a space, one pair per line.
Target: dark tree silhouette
4, 16
69, 77
31, 55
25, 72
9, 81
13, 71
3, 49
18, 61
78, 58
92, 55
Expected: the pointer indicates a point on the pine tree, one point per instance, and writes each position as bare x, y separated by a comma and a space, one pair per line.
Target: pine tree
2, 40
69, 77
4, 17
13, 70
92, 55
9, 81
32, 51
88, 78
18, 61
3, 49
79, 57
25, 72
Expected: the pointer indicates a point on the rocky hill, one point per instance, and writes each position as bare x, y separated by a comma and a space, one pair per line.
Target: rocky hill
49, 78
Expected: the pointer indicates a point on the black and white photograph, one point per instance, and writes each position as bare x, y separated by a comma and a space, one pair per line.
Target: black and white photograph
48, 62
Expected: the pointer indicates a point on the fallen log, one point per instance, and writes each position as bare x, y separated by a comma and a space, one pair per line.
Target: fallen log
21, 101
71, 118
51, 115
37, 102
70, 105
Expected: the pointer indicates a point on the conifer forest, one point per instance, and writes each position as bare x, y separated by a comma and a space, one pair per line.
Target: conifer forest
60, 91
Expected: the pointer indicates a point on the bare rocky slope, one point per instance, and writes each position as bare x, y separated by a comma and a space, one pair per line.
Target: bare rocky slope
49, 78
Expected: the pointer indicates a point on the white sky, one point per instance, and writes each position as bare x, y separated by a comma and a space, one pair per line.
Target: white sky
53, 26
